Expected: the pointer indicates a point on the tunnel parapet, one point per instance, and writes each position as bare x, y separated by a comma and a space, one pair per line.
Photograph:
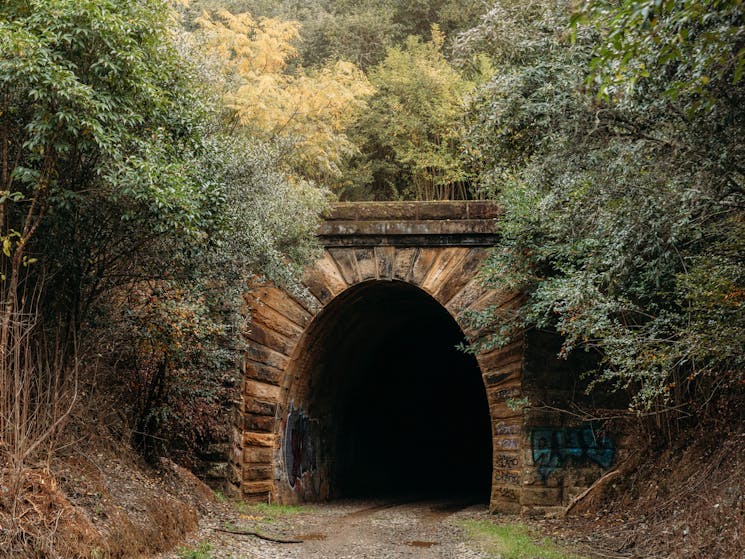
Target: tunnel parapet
282, 447
417, 224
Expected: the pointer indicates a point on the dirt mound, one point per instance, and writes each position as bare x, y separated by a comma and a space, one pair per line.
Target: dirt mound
685, 499
100, 504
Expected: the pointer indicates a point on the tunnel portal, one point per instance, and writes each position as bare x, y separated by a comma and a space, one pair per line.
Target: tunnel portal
397, 408
352, 384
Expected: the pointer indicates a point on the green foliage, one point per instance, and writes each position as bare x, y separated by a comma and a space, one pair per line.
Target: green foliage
623, 215
358, 32
203, 550
515, 541
696, 45
317, 99
412, 132
271, 101
135, 209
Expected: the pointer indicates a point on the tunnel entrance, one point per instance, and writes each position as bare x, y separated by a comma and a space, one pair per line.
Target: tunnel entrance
385, 404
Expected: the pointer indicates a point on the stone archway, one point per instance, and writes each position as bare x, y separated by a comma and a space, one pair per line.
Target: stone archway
379, 401
370, 250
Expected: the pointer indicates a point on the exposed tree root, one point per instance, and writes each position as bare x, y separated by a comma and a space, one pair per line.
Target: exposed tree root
257, 535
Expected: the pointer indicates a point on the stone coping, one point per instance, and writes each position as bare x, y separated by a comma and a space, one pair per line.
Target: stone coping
446, 223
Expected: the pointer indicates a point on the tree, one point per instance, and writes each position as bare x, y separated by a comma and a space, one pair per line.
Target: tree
623, 219
413, 130
125, 195
697, 44
312, 108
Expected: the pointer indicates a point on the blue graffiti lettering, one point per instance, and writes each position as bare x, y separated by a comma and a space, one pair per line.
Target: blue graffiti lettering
555, 448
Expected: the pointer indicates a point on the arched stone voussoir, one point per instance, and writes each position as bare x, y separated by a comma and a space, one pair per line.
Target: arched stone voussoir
403, 260
447, 262
385, 260
266, 317
366, 263
265, 335
459, 275
264, 295
346, 263
422, 264
323, 279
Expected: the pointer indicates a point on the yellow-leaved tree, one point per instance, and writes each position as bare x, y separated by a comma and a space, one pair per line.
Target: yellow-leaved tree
272, 99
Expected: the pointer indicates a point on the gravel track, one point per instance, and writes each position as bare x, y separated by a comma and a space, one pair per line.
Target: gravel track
349, 530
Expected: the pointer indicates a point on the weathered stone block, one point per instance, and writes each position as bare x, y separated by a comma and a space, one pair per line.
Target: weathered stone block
446, 263
505, 375
260, 390
404, 259
267, 317
422, 264
508, 427
502, 444
257, 473
541, 496
259, 407
261, 372
280, 302
385, 257
263, 335
461, 274
257, 455
503, 393
466, 297
501, 358
478, 209
258, 439
504, 460
347, 264
505, 494
366, 263
261, 354
316, 283
507, 477
259, 423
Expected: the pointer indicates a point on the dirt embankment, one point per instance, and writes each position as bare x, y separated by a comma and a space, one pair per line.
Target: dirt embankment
685, 500
99, 503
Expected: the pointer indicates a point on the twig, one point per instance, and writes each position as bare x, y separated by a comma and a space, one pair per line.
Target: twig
257, 535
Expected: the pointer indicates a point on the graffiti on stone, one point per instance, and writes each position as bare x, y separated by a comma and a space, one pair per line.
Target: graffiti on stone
506, 494
301, 449
503, 428
555, 448
508, 444
506, 461
507, 477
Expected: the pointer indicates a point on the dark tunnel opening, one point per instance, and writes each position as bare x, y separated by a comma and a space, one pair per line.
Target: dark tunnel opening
402, 411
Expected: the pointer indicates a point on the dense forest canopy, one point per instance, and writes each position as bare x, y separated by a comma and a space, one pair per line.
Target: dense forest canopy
156, 154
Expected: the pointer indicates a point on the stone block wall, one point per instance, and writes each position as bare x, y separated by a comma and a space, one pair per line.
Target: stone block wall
563, 452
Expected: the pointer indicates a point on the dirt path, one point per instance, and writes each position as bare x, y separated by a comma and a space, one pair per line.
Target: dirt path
349, 530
